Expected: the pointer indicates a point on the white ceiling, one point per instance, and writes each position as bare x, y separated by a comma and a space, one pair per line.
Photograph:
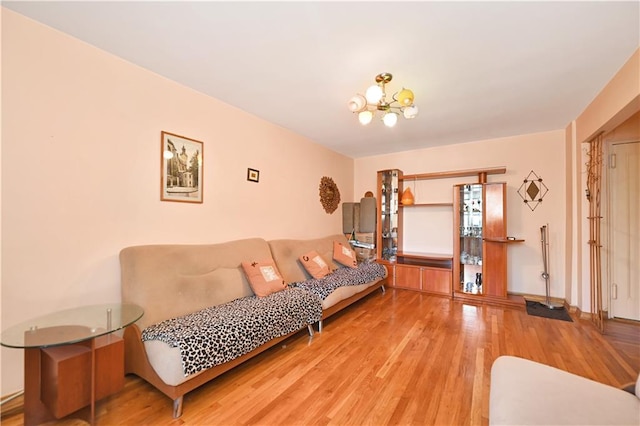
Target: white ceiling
479, 70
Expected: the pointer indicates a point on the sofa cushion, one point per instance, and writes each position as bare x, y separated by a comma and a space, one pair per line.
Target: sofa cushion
524, 392
367, 273
221, 333
344, 255
314, 264
286, 254
264, 277
173, 280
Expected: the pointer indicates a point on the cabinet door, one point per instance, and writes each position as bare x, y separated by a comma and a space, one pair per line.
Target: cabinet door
495, 254
480, 266
390, 272
408, 277
436, 280
469, 229
388, 237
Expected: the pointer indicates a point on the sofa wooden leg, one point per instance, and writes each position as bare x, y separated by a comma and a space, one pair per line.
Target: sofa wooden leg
177, 407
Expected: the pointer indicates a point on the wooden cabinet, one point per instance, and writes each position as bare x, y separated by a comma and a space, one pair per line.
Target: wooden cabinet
407, 276
480, 243
436, 280
64, 384
429, 273
389, 223
477, 268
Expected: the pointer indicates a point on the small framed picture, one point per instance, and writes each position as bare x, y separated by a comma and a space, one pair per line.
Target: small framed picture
181, 168
253, 175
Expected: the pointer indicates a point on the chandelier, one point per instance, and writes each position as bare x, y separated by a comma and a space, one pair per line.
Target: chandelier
375, 99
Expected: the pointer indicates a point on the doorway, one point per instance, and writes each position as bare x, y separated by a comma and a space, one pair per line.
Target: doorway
624, 207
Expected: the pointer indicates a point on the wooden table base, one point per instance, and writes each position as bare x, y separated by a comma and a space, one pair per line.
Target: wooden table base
63, 379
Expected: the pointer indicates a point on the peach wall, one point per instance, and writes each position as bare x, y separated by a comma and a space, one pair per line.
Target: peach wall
629, 131
543, 153
615, 103
81, 164
573, 274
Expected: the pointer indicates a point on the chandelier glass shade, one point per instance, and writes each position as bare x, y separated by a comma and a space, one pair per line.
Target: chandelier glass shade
375, 99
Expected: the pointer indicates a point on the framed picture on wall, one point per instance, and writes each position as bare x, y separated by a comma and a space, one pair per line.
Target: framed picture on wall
253, 175
181, 169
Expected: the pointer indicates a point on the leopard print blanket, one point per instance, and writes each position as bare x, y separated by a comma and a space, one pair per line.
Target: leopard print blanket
323, 287
221, 333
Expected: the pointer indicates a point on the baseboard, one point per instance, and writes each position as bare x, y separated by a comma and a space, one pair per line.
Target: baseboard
538, 298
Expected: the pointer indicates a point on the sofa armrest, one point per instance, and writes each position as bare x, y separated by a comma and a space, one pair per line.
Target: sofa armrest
527, 392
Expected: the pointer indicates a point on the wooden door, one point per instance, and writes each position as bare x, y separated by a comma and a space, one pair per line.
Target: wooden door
625, 235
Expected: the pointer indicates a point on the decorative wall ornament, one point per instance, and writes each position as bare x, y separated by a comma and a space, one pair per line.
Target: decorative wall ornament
407, 197
181, 165
329, 194
253, 175
532, 190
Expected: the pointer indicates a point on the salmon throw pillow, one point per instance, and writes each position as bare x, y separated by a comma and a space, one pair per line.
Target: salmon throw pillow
264, 278
344, 255
314, 264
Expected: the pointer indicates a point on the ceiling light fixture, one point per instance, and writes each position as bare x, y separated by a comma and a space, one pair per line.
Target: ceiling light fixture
374, 99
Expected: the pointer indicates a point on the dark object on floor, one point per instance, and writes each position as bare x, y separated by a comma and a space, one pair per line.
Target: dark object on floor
539, 310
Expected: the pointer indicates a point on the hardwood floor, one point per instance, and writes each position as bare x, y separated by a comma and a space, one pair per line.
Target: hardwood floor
400, 358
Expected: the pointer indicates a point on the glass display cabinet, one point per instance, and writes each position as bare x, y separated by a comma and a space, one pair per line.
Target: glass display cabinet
390, 216
480, 243
470, 209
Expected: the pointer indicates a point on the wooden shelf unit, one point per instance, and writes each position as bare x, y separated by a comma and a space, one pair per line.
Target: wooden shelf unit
427, 272
440, 273
481, 173
503, 240
426, 205
480, 229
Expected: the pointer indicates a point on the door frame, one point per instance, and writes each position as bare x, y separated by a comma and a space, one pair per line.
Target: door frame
607, 235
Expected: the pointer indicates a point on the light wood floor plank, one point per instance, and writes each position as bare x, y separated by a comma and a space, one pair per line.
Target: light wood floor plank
400, 358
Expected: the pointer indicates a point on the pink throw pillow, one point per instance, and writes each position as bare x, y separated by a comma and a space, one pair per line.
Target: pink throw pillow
264, 278
314, 264
344, 255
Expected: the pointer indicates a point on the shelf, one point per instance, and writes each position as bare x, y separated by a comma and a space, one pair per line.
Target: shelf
503, 240
434, 260
427, 205
455, 173
419, 255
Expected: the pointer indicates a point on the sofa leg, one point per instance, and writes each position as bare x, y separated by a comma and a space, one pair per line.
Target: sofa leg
310, 328
177, 407
384, 290
320, 326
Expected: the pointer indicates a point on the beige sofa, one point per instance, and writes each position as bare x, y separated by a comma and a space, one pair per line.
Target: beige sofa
524, 392
170, 281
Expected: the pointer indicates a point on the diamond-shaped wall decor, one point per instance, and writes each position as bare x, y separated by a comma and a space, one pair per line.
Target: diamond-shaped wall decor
533, 190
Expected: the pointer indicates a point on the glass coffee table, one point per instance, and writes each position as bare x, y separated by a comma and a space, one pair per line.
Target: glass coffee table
71, 359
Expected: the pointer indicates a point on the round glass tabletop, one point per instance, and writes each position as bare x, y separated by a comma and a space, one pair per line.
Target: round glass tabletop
71, 325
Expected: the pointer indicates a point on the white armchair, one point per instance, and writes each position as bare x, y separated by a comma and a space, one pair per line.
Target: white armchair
524, 392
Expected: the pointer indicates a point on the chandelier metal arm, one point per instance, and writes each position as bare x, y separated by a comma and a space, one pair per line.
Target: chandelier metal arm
376, 100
